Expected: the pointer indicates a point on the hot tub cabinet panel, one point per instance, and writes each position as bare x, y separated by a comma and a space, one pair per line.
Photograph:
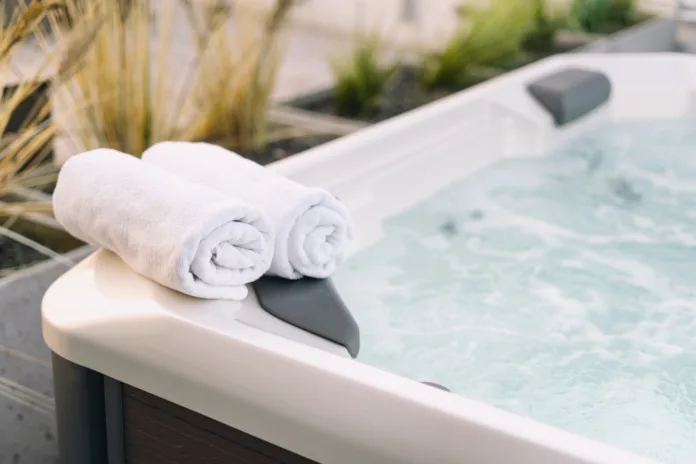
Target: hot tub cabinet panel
102, 421
157, 431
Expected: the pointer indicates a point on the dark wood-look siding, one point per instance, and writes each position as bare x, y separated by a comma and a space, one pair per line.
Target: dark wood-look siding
157, 431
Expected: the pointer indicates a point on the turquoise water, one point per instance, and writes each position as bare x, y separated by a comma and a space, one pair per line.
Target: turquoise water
561, 288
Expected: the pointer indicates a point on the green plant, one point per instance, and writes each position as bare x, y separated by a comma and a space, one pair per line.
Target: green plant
604, 16
362, 79
483, 38
624, 13
546, 25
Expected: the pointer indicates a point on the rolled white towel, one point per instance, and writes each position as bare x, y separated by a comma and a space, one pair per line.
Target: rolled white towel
185, 236
313, 229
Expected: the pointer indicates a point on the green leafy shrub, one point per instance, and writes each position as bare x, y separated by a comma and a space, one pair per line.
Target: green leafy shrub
624, 13
361, 80
604, 16
546, 25
590, 15
484, 38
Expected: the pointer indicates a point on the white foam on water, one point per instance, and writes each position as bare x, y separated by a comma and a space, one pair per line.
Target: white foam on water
561, 288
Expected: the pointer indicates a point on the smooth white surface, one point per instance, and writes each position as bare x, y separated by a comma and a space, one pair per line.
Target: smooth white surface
211, 357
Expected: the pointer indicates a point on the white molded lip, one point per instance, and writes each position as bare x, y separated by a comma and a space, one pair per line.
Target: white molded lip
205, 357
328, 408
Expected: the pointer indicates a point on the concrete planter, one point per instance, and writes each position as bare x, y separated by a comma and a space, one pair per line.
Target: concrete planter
44, 229
568, 41
27, 414
654, 35
310, 100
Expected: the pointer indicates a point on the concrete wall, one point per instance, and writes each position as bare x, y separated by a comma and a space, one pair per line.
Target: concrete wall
657, 35
430, 23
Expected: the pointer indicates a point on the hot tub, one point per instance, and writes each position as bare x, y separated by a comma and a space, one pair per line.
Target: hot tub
144, 374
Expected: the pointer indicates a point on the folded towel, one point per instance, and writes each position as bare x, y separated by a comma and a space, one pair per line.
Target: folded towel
313, 229
185, 236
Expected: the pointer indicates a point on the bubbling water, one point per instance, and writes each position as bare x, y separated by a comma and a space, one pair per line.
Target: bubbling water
560, 288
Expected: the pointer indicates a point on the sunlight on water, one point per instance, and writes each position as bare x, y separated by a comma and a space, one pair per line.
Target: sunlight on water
560, 288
